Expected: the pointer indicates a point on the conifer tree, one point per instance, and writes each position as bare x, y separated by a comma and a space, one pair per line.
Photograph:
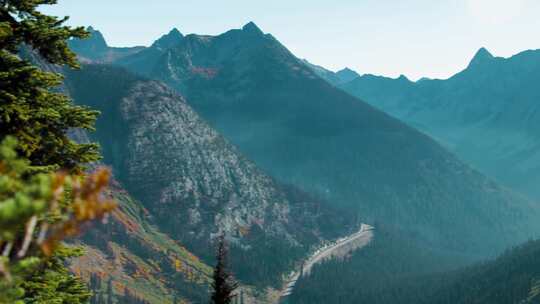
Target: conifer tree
38, 206
36, 213
30, 111
223, 282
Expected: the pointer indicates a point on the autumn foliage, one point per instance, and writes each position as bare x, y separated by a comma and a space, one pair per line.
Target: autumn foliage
38, 211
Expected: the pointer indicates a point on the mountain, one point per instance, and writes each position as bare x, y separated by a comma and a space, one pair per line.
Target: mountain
173, 38
129, 252
395, 269
142, 251
488, 114
483, 56
335, 78
307, 133
194, 184
346, 75
95, 48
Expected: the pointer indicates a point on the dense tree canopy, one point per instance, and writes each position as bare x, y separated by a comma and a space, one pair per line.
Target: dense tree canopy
38, 117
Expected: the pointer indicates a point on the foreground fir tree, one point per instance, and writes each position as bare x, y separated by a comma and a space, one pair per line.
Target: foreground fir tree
30, 111
223, 283
44, 194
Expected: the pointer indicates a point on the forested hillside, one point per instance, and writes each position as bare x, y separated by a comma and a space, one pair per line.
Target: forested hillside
394, 269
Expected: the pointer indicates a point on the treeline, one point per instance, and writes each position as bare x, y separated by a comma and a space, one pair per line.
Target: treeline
395, 269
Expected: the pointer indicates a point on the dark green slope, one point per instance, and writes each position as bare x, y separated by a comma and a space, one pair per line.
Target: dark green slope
395, 269
488, 114
305, 132
194, 183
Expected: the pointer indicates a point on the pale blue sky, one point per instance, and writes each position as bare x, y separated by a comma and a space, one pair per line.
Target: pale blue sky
432, 38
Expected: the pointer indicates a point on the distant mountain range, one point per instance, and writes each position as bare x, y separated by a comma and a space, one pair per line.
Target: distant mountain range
302, 131
233, 133
488, 114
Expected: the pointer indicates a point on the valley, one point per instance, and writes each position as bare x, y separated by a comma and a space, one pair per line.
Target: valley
272, 115
163, 153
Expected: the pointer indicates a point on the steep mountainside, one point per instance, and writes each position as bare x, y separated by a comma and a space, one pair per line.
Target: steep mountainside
128, 252
137, 259
193, 182
305, 132
488, 114
395, 270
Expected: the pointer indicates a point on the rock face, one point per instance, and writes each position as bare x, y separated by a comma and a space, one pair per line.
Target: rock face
193, 181
488, 114
305, 132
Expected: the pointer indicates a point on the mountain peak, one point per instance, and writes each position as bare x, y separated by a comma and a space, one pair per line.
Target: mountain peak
169, 40
94, 43
481, 56
403, 78
96, 37
251, 27
346, 74
176, 32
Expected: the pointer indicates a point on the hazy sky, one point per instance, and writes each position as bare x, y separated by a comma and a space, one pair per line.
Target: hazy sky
432, 38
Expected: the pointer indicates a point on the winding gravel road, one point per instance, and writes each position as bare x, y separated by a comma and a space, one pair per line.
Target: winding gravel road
339, 249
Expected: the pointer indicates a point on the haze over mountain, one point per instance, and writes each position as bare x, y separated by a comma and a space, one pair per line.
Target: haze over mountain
488, 114
303, 131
